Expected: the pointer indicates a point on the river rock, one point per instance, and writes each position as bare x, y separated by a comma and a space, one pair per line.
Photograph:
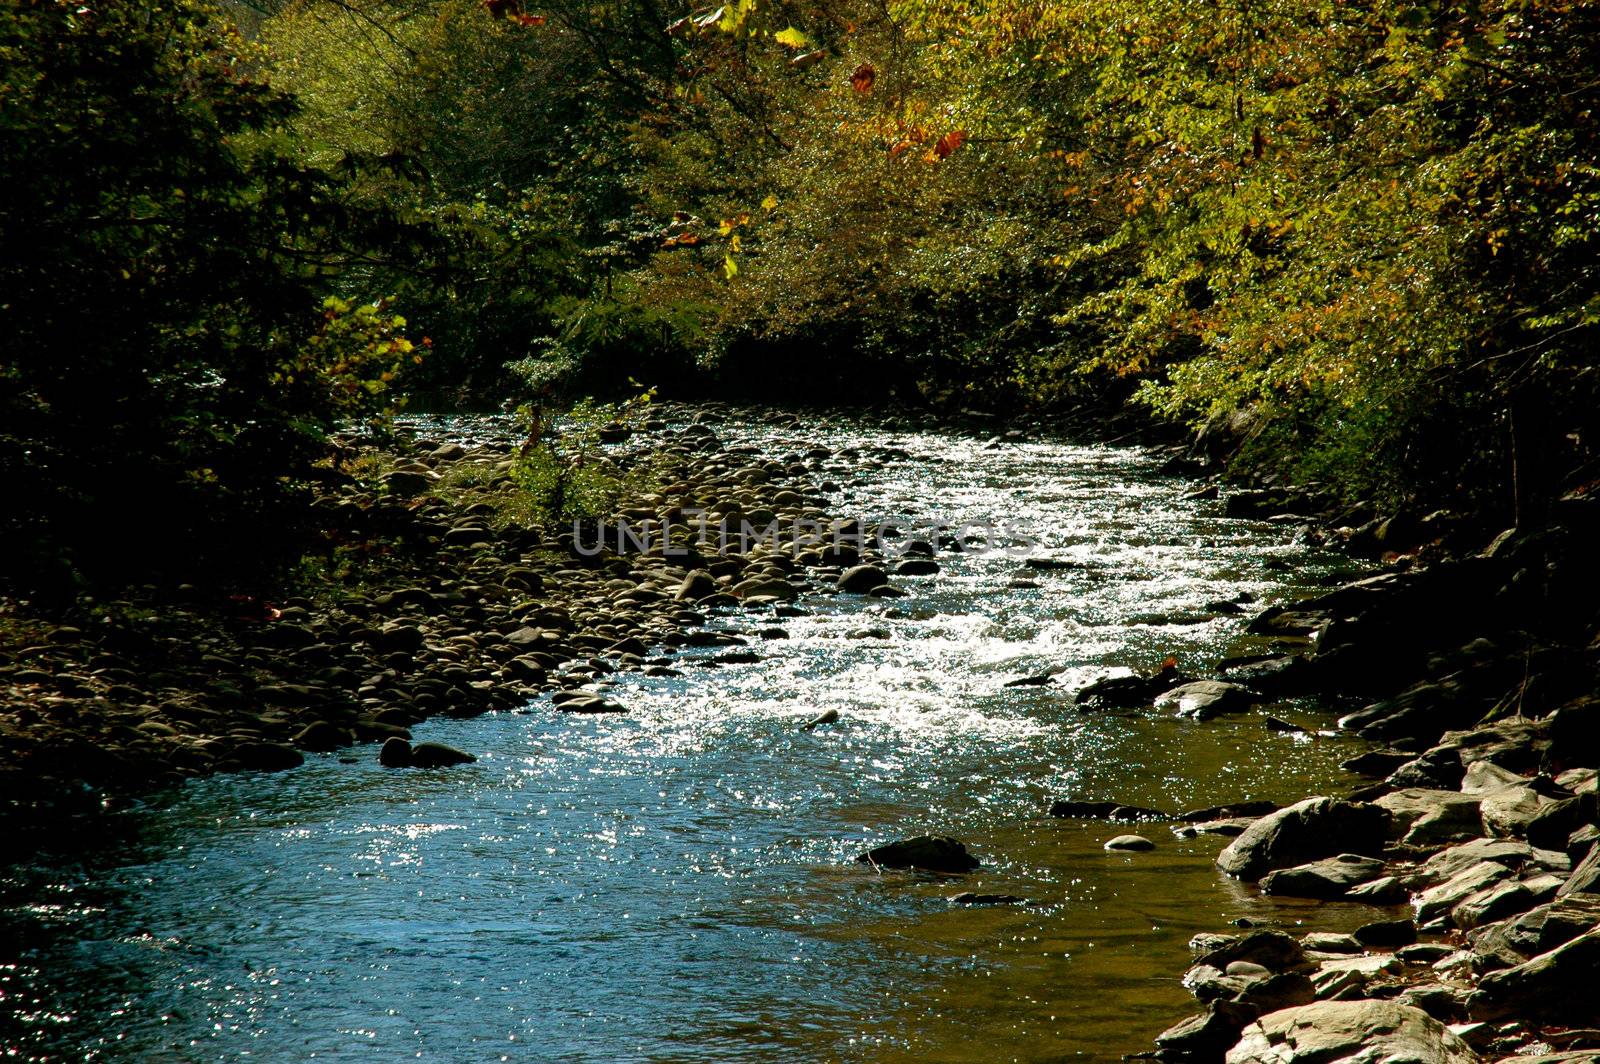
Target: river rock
1585, 878
698, 584
1492, 903
1104, 811
320, 737
1430, 817
1439, 900
407, 482
1508, 811
395, 753
1329, 878
438, 755
860, 579
1204, 699
1129, 842
1306, 831
1448, 863
1556, 987
1349, 1032
1387, 934
932, 853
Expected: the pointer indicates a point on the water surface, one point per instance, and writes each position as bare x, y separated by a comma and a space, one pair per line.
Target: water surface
678, 884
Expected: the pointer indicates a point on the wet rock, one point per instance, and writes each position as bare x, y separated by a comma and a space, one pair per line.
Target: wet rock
395, 753
1437, 769
1129, 842
1204, 699
267, 757
861, 579
1124, 691
969, 898
917, 567
1207, 1036
1331, 942
1104, 811
1385, 890
1328, 879
1387, 933
395, 636
1508, 811
932, 853
1306, 831
320, 737
438, 755
1357, 1032
1251, 808
585, 702
1273, 950
1430, 817
827, 716
1376, 764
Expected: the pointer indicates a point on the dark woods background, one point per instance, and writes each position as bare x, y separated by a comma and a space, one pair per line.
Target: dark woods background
1354, 243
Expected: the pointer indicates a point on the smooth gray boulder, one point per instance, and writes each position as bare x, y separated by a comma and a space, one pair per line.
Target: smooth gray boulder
1349, 1032
1204, 699
1306, 831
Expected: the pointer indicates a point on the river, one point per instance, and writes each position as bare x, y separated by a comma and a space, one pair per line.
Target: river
677, 884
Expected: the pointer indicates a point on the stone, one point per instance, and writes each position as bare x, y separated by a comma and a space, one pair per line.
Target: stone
1104, 811
1331, 942
1492, 903
438, 755
1130, 842
1484, 777
320, 737
395, 753
969, 898
1554, 987
1437, 901
1585, 878
1273, 950
827, 716
1329, 878
1387, 933
1204, 699
1448, 863
932, 853
1207, 1036
1345, 977
1349, 1032
696, 585
407, 482
1430, 817
395, 636
1507, 812
1306, 831
1385, 890
860, 579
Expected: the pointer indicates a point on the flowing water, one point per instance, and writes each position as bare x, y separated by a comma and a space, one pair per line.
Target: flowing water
677, 884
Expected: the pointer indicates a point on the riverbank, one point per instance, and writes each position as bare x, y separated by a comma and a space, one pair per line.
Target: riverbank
431, 599
1476, 842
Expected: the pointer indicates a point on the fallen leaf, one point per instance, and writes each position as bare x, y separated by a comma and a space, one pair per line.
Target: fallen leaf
862, 77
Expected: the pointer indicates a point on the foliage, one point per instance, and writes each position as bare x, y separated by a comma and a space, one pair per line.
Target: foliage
164, 257
561, 471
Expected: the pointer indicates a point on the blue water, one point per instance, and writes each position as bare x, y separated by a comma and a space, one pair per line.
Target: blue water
677, 884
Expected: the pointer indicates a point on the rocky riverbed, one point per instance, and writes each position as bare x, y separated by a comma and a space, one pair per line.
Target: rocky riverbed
1481, 822
1464, 687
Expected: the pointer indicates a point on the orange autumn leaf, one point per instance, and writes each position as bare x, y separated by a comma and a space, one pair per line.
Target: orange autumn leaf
949, 143
862, 77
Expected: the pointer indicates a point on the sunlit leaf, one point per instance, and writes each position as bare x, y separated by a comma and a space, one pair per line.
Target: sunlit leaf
792, 38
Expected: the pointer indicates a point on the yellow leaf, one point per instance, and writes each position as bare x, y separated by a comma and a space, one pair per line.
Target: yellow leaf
730, 269
792, 38
769, 203
734, 244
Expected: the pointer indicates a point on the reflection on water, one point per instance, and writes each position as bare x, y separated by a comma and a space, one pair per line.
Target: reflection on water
677, 884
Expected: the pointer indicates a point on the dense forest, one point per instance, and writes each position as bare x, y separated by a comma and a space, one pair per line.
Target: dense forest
1355, 245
